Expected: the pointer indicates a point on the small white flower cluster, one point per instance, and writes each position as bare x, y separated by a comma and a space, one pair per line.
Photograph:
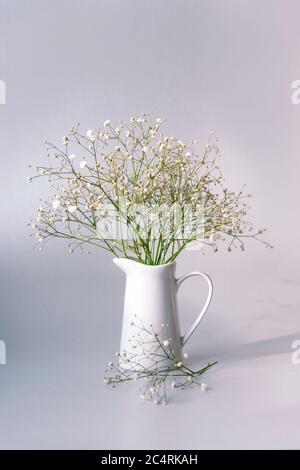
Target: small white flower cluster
139, 164
154, 364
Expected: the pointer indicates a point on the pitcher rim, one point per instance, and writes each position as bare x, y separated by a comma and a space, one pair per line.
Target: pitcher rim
146, 265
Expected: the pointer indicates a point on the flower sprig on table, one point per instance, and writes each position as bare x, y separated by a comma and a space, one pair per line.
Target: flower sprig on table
125, 165
154, 365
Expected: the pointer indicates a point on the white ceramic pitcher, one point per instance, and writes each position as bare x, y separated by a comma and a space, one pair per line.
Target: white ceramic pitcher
151, 296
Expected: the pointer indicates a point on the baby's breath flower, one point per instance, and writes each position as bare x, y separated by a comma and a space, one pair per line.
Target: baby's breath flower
140, 166
55, 204
90, 135
72, 209
154, 375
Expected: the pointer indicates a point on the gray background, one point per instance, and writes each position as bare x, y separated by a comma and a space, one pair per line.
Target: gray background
206, 64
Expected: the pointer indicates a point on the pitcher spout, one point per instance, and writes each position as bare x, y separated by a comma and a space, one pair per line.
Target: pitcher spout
123, 264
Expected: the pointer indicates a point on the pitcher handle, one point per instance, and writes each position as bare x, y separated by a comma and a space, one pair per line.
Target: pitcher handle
179, 281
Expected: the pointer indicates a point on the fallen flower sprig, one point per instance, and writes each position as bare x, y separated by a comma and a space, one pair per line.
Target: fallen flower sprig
154, 364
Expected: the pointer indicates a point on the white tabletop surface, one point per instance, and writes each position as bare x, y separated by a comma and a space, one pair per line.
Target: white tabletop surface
52, 390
